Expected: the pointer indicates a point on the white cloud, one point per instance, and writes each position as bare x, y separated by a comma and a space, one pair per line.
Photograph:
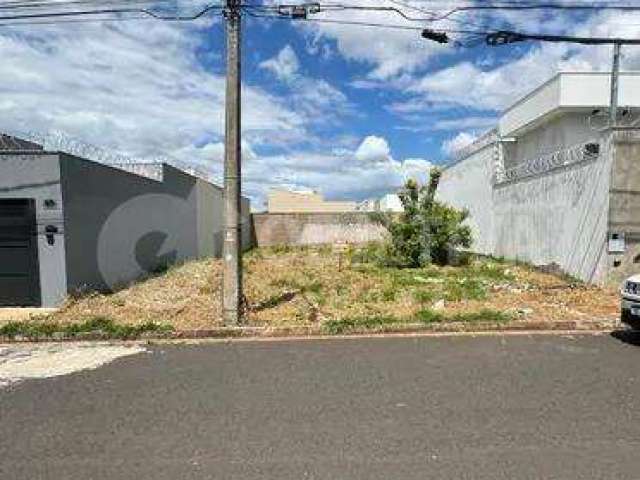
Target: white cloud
453, 145
137, 87
467, 85
368, 170
373, 150
416, 168
312, 97
419, 124
140, 88
388, 52
284, 65
318, 99
473, 85
365, 170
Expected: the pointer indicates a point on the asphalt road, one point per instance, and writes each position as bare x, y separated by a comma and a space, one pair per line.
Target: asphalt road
516, 407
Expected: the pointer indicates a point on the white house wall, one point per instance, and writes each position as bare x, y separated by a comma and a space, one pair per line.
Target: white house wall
568, 91
468, 184
554, 217
591, 89
538, 103
566, 130
557, 218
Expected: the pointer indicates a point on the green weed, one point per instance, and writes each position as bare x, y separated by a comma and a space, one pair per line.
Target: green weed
465, 289
103, 326
423, 296
427, 315
343, 325
484, 315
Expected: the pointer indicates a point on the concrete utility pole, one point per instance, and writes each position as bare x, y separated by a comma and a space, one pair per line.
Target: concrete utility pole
615, 85
232, 252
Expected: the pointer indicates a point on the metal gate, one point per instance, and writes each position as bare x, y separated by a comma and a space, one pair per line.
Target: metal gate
19, 269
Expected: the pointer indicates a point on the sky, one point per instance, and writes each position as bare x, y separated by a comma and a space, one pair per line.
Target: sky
347, 110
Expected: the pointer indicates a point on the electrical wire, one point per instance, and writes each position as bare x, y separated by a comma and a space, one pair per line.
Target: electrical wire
74, 20
110, 11
507, 37
536, 6
404, 4
365, 24
56, 6
32, 12
40, 4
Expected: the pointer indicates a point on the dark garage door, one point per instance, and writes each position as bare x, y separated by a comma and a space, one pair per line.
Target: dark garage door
19, 275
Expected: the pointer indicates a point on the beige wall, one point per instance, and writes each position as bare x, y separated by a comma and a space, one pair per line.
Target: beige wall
315, 228
624, 205
282, 201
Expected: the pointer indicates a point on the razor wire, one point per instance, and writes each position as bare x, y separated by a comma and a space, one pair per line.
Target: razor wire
9, 143
551, 161
58, 141
489, 138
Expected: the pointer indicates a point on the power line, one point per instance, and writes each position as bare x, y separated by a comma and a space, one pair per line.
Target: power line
369, 24
282, 11
533, 6
505, 37
40, 4
274, 16
304, 12
404, 4
110, 11
76, 20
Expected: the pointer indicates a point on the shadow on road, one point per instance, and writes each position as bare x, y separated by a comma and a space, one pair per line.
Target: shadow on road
632, 337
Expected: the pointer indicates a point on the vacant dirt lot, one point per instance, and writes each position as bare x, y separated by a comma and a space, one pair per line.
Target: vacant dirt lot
315, 286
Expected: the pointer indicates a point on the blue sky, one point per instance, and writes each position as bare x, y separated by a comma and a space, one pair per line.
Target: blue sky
350, 111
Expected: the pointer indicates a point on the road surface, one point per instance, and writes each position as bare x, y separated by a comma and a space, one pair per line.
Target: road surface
499, 407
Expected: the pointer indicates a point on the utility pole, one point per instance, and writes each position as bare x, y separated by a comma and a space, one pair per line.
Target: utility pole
232, 250
615, 85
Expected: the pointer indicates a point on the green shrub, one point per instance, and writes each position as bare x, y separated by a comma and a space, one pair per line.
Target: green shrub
428, 231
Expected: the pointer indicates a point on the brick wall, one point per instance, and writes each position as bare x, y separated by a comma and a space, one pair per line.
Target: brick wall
315, 228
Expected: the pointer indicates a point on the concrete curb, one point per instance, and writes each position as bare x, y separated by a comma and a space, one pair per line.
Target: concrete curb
301, 332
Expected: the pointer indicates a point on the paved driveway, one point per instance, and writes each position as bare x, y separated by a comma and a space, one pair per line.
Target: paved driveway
514, 407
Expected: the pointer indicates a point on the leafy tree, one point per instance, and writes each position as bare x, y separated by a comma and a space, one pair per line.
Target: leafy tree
428, 231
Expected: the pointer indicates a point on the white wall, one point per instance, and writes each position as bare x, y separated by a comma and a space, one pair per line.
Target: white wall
569, 90
468, 184
555, 217
562, 131
536, 104
559, 217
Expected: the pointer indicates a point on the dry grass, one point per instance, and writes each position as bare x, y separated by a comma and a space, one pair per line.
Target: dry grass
287, 287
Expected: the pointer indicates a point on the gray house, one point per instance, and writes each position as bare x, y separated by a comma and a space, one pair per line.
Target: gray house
69, 224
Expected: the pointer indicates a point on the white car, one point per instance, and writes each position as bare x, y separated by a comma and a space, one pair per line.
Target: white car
630, 305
